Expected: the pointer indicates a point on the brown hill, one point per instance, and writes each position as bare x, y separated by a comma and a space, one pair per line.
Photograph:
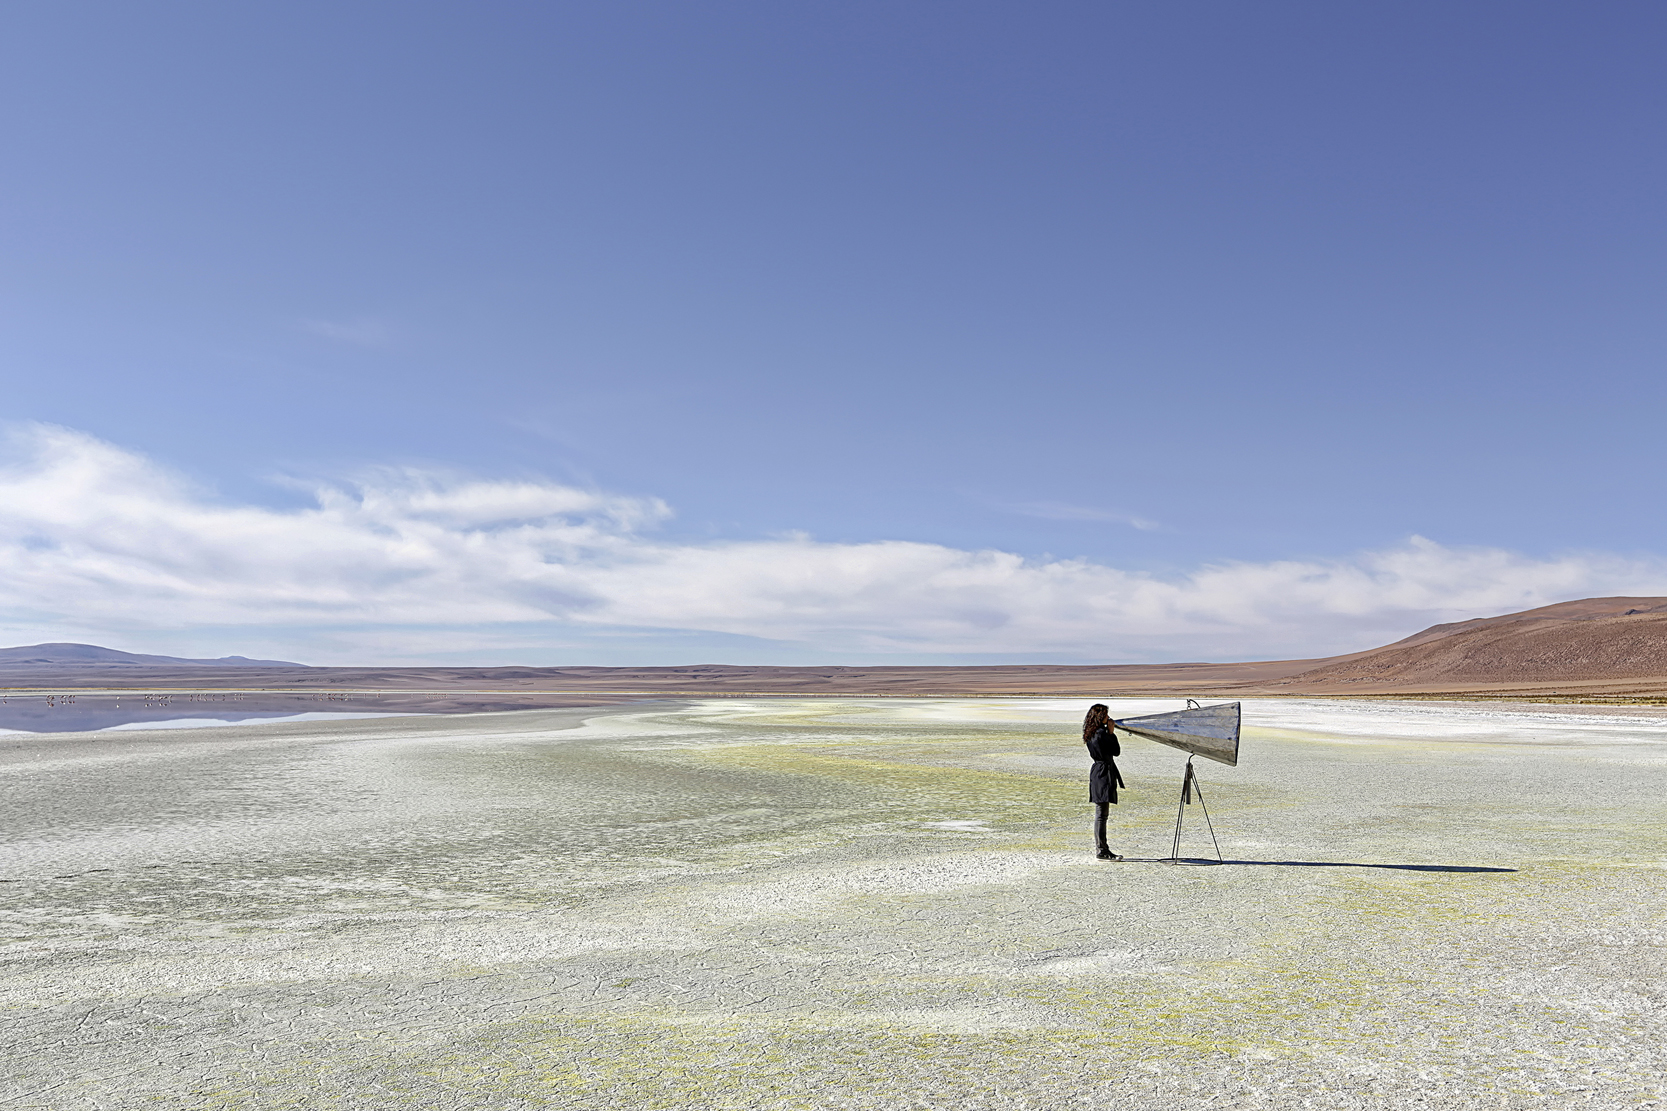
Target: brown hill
1592, 646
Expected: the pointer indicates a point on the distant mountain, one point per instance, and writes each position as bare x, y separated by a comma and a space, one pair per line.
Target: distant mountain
1584, 609
1601, 647
1590, 642
91, 655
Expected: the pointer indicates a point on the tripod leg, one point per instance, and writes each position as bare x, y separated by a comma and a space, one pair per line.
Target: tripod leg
1180, 812
1199, 787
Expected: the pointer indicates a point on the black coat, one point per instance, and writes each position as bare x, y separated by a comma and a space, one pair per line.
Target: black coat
1103, 777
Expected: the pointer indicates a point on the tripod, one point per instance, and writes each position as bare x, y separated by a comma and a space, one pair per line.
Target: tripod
1189, 784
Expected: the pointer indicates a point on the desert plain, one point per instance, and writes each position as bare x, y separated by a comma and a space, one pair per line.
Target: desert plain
838, 903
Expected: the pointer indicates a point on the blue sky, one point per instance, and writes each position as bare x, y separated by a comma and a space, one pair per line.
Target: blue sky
852, 297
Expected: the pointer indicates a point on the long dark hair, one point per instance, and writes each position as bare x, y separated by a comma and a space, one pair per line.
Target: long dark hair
1099, 715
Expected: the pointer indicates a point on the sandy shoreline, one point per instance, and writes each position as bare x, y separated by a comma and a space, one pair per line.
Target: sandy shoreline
835, 904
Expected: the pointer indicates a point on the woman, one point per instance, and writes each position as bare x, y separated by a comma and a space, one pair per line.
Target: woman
1103, 778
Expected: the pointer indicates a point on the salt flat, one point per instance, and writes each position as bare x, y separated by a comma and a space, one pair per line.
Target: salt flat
843, 904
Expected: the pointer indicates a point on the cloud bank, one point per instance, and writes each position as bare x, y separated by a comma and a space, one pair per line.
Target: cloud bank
97, 541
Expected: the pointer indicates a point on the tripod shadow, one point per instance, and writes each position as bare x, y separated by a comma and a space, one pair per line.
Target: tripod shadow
1199, 860
1191, 786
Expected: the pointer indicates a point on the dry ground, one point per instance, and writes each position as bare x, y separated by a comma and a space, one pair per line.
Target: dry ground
836, 904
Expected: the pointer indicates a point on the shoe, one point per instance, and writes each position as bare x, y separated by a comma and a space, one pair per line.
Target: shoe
1106, 854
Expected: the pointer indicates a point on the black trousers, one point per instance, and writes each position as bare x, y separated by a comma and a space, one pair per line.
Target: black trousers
1102, 810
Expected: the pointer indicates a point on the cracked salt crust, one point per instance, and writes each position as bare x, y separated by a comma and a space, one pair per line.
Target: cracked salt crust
834, 903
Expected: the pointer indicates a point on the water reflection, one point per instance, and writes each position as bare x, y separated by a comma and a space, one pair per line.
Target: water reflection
84, 711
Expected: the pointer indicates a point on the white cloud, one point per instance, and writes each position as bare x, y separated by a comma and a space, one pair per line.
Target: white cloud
96, 540
1064, 511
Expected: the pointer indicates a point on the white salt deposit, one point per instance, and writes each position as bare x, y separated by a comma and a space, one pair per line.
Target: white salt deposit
779, 903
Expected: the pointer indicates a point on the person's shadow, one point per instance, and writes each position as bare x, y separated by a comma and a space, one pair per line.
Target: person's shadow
1199, 860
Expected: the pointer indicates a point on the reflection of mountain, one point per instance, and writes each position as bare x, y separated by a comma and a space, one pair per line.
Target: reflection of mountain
35, 716
83, 712
1594, 647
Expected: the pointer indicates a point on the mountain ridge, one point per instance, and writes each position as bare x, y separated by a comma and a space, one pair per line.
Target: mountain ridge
1591, 641
70, 654
1590, 647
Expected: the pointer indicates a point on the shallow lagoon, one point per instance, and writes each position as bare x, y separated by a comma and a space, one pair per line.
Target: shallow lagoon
93, 710
762, 903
